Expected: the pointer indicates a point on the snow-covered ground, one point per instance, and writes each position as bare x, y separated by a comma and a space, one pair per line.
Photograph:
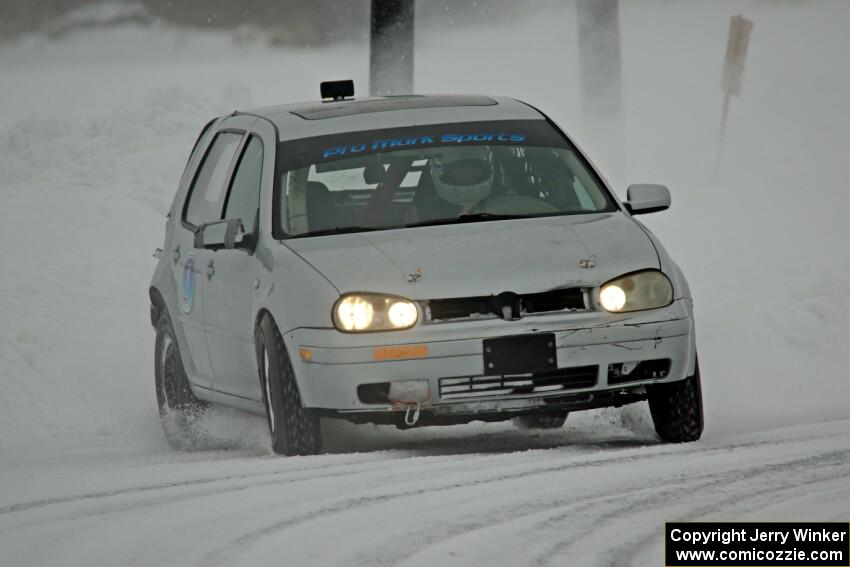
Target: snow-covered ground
509, 499
94, 131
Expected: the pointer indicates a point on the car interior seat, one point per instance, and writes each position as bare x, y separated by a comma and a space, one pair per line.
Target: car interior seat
322, 213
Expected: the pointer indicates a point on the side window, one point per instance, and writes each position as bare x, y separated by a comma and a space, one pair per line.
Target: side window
244, 198
206, 192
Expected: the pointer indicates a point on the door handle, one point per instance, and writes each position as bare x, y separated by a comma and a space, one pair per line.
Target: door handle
210, 270
175, 255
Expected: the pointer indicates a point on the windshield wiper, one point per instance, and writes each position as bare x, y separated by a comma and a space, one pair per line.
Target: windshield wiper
469, 217
336, 230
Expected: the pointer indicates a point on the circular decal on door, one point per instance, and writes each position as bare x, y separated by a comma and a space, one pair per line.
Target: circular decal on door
188, 294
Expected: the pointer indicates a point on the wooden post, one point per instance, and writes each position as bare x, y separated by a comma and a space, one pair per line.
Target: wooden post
723, 116
391, 47
733, 73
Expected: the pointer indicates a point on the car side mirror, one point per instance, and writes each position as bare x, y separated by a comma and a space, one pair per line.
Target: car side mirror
225, 234
647, 198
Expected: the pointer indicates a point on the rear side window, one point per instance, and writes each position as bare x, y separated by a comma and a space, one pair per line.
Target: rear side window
205, 196
244, 198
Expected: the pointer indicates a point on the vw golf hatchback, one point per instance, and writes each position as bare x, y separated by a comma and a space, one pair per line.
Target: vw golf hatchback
413, 260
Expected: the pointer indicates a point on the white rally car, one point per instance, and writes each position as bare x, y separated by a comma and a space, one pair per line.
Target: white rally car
413, 260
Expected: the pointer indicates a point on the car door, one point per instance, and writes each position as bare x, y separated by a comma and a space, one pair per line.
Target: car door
237, 272
202, 204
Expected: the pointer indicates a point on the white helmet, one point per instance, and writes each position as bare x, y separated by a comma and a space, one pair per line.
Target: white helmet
463, 176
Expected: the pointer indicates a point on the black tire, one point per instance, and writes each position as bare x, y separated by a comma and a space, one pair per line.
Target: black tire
294, 429
676, 409
552, 420
180, 412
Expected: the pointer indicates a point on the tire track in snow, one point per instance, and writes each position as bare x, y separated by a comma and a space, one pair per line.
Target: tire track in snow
222, 554
219, 556
628, 500
836, 463
232, 483
514, 495
29, 505
373, 458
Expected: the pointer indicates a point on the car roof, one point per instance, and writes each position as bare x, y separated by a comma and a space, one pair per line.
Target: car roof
308, 119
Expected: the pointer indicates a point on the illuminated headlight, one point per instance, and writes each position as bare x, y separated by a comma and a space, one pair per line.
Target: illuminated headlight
364, 312
635, 292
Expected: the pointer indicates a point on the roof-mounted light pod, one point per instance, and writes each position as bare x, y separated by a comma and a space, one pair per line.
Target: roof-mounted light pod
336, 90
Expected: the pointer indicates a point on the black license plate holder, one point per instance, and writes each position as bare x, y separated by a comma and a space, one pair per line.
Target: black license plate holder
520, 354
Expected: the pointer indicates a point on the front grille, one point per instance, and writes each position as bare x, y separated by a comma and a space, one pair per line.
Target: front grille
543, 302
624, 372
522, 384
459, 308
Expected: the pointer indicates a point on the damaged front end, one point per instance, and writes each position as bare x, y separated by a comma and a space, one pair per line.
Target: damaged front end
489, 366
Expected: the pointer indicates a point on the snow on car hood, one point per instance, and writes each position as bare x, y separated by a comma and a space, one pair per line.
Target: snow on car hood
483, 258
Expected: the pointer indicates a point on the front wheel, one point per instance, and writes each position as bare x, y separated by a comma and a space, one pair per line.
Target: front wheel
676, 409
179, 410
295, 430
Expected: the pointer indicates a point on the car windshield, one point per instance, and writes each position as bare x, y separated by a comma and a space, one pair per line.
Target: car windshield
430, 175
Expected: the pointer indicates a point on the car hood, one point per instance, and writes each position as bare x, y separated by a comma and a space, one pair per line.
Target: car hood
483, 258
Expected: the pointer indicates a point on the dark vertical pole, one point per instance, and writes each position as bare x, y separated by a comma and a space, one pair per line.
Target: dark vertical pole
391, 47
600, 72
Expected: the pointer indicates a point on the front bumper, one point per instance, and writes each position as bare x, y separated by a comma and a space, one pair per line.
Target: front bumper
341, 362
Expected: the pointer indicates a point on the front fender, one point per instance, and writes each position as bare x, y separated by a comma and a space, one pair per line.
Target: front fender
296, 294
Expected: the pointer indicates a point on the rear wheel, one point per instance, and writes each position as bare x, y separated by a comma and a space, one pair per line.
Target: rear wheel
294, 429
179, 410
677, 409
541, 420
